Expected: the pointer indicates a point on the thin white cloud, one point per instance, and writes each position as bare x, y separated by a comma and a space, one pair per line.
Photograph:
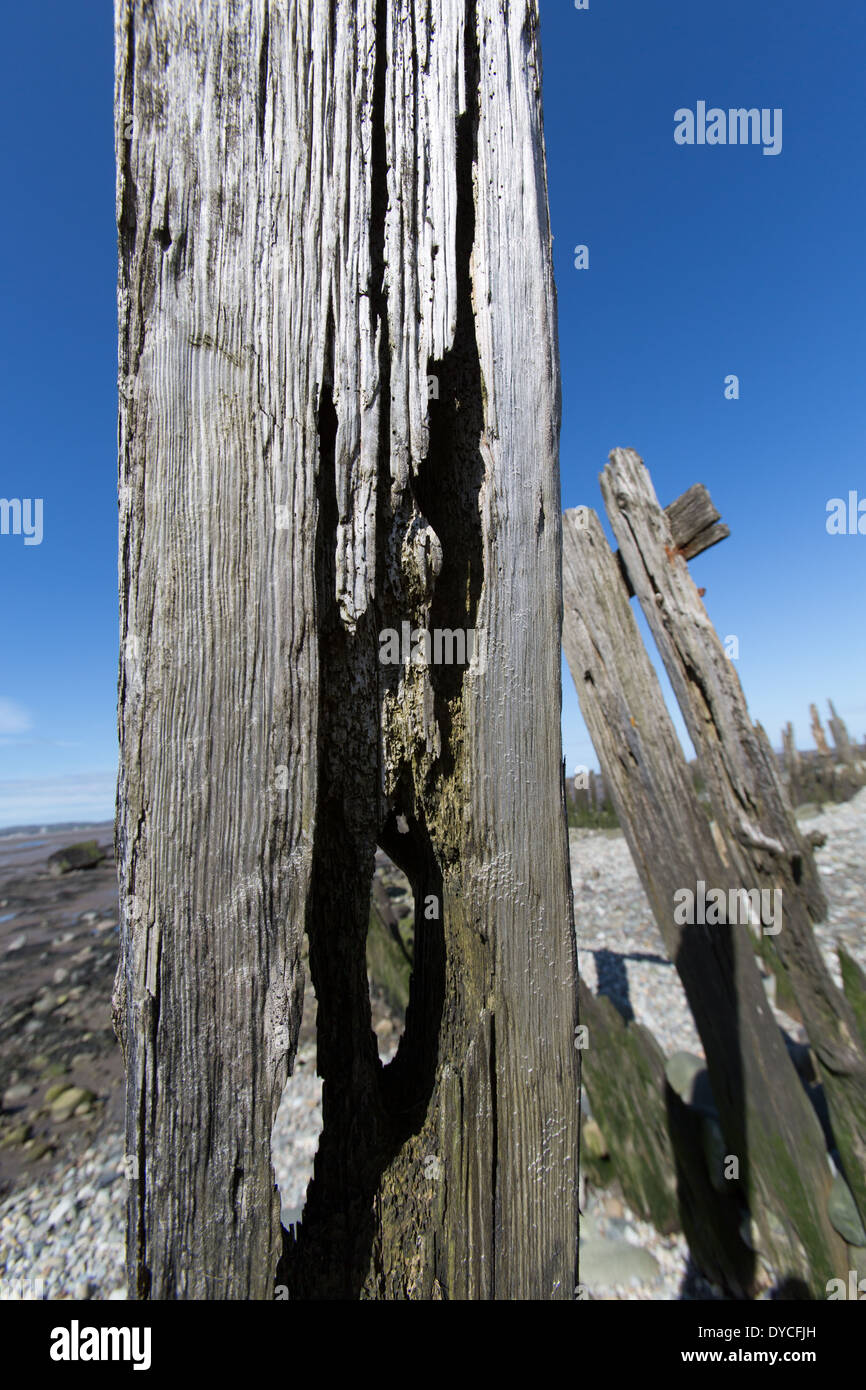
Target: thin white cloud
46, 800
14, 718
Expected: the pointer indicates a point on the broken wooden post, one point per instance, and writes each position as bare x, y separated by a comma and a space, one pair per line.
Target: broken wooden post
818, 732
791, 763
839, 732
765, 1115
764, 841
318, 215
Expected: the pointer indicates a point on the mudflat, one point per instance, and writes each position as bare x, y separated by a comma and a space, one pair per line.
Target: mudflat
61, 1073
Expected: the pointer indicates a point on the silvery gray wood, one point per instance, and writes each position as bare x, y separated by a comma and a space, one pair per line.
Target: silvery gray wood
321, 205
694, 523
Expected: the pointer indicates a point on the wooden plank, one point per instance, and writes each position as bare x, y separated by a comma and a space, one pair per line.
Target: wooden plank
691, 513
764, 1112
818, 731
703, 540
318, 210
694, 523
742, 777
842, 742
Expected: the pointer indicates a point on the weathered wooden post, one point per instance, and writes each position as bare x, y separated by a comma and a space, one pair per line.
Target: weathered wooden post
339, 414
763, 841
791, 761
842, 742
765, 1115
818, 732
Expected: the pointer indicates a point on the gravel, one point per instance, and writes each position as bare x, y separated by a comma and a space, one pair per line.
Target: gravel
69, 1230
621, 954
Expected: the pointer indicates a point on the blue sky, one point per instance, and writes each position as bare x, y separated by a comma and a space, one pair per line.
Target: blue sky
704, 261
58, 618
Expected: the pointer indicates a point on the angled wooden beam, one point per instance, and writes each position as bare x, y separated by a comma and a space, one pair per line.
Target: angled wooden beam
749, 802
765, 1114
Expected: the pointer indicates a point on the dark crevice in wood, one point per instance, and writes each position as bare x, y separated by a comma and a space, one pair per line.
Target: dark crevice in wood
378, 216
325, 1256
369, 1111
262, 90
449, 481
128, 215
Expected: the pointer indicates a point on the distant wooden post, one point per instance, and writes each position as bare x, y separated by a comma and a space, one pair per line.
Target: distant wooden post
749, 801
818, 732
791, 762
765, 1114
339, 419
839, 732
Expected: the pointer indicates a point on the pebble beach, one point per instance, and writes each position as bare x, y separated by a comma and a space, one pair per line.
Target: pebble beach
65, 1226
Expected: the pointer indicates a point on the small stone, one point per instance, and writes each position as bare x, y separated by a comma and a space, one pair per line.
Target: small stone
60, 975
17, 942
18, 1134
609, 1263
842, 1211
687, 1075
85, 855
38, 1149
16, 1095
69, 1100
61, 1212
593, 1139
45, 1004
58, 1089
